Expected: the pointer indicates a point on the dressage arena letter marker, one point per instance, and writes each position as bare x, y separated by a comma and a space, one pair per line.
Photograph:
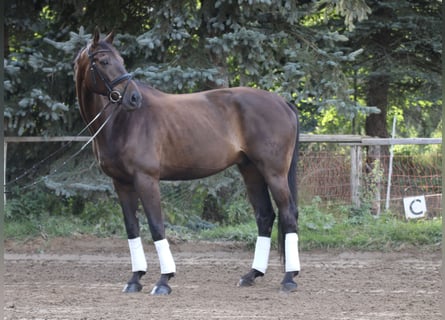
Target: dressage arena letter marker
165, 257
138, 261
415, 207
261, 257
291, 251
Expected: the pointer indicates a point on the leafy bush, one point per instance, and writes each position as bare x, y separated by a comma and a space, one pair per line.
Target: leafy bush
39, 212
312, 218
35, 203
219, 199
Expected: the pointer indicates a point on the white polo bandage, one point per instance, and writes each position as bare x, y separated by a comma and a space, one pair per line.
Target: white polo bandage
262, 251
138, 261
291, 252
165, 257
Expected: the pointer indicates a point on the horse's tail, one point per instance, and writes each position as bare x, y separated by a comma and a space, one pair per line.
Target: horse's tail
292, 180
292, 175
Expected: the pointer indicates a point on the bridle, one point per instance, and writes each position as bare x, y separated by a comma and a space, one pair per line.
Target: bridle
113, 95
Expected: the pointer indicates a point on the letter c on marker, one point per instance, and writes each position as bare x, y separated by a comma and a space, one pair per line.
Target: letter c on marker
412, 209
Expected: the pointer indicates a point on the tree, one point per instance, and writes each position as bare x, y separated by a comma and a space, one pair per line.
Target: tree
398, 72
174, 45
400, 65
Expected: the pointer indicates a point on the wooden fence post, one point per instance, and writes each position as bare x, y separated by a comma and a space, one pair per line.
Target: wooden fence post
374, 178
356, 174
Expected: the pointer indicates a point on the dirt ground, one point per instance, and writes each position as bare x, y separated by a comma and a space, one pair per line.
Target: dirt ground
82, 278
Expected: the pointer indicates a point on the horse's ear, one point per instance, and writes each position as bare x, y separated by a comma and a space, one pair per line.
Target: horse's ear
109, 38
96, 36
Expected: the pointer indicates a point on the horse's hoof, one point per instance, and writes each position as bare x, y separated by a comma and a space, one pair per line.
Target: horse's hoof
132, 287
246, 282
288, 287
161, 290
248, 279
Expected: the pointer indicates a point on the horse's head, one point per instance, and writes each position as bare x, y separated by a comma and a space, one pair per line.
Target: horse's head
100, 68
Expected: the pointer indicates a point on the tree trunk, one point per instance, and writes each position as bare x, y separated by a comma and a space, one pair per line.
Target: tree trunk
210, 14
5, 42
375, 126
377, 95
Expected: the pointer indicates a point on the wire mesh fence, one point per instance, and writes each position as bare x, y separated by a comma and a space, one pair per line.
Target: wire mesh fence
327, 174
326, 170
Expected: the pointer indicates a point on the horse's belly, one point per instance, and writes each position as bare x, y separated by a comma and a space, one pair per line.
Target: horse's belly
194, 166
177, 173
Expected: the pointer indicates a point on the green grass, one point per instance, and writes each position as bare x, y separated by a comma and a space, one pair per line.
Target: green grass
347, 228
382, 233
245, 232
320, 227
376, 233
60, 226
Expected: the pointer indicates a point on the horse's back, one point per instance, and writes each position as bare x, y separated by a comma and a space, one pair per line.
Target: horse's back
245, 114
252, 109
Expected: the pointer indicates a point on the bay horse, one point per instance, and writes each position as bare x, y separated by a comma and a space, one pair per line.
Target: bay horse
142, 135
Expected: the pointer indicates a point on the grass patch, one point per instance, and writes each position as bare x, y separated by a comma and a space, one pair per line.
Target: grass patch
61, 226
246, 233
381, 233
349, 228
320, 226
377, 233
50, 226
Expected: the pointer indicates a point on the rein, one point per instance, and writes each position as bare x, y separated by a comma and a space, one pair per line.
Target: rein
43, 161
114, 97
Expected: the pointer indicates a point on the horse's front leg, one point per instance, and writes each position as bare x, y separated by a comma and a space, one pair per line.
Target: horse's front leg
148, 190
129, 200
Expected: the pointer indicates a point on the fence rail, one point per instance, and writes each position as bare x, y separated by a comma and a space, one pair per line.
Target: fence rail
322, 138
315, 166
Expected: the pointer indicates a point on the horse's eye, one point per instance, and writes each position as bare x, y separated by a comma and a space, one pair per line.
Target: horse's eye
104, 62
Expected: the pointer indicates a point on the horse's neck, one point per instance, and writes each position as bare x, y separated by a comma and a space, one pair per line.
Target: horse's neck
90, 106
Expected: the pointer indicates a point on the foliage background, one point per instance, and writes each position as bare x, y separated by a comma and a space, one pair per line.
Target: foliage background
325, 56
349, 65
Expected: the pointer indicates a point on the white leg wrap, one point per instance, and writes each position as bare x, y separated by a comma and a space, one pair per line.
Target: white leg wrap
165, 256
138, 261
262, 250
291, 252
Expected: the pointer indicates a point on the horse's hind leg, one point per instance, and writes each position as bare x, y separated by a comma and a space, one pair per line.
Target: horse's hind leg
259, 197
129, 200
288, 215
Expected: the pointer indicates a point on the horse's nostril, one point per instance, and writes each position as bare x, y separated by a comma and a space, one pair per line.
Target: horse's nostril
135, 98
